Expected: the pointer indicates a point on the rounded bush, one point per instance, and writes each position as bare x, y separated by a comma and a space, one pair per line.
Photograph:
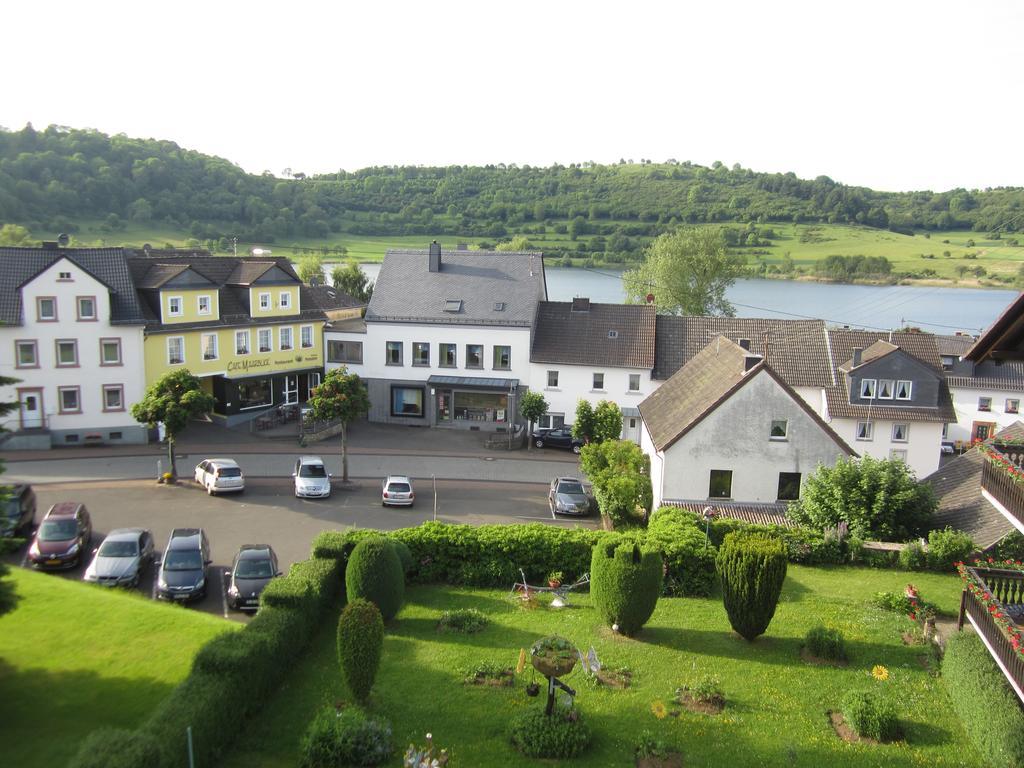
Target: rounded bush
826, 643
946, 547
374, 573
345, 738
872, 715
404, 554
117, 748
625, 581
360, 641
563, 734
752, 568
913, 557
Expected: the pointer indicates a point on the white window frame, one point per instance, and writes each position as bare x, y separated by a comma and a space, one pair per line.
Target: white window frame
199, 304
987, 408
552, 384
906, 433
239, 348
62, 407
865, 431
170, 306
303, 330
108, 388
547, 421
216, 344
74, 347
181, 340
264, 302
899, 453
259, 340
593, 382
868, 389
32, 344
910, 389
785, 430
285, 330
882, 384
40, 317
1016, 405
284, 300
103, 344
633, 377
78, 307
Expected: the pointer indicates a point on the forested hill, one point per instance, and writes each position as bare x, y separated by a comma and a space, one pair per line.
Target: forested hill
59, 176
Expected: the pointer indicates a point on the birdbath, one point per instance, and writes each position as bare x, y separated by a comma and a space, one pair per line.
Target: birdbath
553, 656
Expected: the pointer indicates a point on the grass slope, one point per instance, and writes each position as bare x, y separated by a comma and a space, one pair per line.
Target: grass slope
74, 657
775, 715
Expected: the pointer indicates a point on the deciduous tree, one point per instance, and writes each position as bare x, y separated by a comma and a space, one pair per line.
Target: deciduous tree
532, 406
342, 396
353, 281
172, 400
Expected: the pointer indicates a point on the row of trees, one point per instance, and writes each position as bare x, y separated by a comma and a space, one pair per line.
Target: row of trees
59, 176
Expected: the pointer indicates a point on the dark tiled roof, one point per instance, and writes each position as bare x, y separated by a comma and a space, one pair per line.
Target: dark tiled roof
19, 265
407, 291
795, 349
329, 298
756, 514
159, 274
876, 350
957, 484
953, 345
920, 345
620, 335
1006, 375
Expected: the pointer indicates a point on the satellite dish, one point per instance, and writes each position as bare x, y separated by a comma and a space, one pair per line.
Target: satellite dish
62, 239
650, 298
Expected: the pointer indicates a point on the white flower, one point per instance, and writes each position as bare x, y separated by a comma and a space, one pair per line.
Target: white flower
615, 627
429, 736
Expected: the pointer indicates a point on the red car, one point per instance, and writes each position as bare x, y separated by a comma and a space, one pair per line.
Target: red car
62, 538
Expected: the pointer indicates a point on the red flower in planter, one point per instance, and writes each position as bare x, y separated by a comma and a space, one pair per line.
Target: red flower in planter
913, 617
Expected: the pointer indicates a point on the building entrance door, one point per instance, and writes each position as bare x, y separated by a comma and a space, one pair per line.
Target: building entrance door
444, 406
291, 389
31, 408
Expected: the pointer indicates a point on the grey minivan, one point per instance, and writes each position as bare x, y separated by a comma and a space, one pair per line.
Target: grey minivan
311, 478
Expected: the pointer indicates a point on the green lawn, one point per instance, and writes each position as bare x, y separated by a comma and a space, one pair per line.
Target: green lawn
74, 657
776, 708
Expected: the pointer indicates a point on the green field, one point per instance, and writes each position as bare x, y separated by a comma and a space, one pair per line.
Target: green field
776, 703
805, 244
74, 657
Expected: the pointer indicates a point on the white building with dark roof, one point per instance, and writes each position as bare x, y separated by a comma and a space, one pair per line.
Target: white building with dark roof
71, 331
446, 337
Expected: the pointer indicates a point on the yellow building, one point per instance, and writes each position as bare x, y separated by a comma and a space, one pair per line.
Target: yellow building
247, 327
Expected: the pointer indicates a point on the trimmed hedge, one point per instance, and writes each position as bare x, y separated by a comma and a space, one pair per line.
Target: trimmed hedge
360, 642
562, 735
625, 581
341, 738
871, 714
374, 573
752, 568
983, 700
689, 560
116, 748
825, 643
404, 554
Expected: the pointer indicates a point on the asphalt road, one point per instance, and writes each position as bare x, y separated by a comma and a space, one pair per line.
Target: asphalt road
267, 512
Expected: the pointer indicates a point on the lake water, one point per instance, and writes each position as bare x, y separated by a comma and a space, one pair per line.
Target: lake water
932, 308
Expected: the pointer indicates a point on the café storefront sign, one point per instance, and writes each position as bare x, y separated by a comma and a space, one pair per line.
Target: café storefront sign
268, 364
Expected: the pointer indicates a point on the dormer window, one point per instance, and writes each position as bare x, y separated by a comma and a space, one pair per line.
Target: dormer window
284, 300
203, 305
264, 302
174, 306
499, 306
885, 389
867, 389
453, 306
613, 334
904, 389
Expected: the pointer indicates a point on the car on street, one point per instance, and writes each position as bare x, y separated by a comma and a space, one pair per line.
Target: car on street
220, 475
182, 574
18, 510
567, 496
122, 557
62, 537
312, 479
397, 491
254, 566
559, 437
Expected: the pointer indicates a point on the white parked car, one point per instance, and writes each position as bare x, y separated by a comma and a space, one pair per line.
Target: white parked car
311, 478
220, 475
397, 491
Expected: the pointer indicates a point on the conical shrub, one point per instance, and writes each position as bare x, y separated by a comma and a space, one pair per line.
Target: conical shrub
625, 581
374, 573
751, 567
360, 641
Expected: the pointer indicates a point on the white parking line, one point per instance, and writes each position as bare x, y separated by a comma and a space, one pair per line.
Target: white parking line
223, 593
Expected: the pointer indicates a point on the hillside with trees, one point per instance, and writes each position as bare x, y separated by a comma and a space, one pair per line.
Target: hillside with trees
53, 179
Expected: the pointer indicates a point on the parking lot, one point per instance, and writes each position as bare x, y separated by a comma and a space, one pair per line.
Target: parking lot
267, 512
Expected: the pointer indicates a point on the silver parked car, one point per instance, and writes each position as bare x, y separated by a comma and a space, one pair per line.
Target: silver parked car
311, 478
220, 475
397, 491
567, 496
121, 558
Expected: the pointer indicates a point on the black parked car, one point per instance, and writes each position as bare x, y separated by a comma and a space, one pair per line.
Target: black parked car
559, 437
182, 575
255, 565
18, 510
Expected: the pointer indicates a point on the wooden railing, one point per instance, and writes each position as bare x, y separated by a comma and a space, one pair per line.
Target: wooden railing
1004, 489
1007, 590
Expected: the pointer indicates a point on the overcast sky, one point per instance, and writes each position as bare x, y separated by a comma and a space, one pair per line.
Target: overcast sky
894, 95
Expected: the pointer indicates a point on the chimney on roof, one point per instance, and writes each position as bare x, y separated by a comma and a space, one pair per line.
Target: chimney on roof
580, 305
857, 352
749, 361
49, 245
434, 264
745, 344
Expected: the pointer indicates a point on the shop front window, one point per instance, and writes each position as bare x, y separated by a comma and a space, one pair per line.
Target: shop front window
480, 406
254, 393
407, 401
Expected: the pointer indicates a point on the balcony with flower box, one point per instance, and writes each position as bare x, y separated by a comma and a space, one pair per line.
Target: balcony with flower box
1002, 480
993, 602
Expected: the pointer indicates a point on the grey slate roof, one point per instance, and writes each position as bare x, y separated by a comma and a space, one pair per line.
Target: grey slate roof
757, 514
406, 291
1002, 375
328, 297
957, 484
108, 265
582, 337
953, 345
796, 349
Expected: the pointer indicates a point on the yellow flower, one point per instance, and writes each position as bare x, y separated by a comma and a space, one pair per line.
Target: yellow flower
659, 710
879, 672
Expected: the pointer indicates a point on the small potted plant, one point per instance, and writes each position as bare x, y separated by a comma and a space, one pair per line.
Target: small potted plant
555, 579
553, 656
